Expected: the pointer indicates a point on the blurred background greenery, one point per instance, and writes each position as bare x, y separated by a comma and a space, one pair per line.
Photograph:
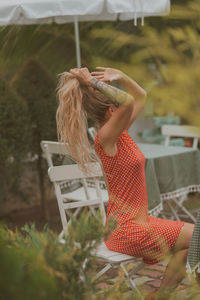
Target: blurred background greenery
162, 55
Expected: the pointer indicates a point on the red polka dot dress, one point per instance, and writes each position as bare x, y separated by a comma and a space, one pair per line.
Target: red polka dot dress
135, 232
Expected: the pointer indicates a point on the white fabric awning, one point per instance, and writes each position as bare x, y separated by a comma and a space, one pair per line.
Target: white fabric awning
26, 12
63, 11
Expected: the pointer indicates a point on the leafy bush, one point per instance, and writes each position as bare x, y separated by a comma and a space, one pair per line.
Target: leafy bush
33, 83
37, 88
14, 127
36, 266
164, 56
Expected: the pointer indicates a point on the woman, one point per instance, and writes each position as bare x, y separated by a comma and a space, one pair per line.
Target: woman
85, 95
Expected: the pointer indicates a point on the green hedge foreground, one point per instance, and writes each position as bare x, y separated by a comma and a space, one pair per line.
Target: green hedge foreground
34, 265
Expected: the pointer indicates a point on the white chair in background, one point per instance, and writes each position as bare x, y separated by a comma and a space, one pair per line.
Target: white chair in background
181, 131
92, 132
50, 148
58, 174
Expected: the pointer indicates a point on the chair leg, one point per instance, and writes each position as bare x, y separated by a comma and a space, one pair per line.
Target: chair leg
163, 216
132, 283
104, 270
185, 211
61, 237
183, 199
173, 210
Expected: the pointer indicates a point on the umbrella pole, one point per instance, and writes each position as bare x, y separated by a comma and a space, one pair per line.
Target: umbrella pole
77, 39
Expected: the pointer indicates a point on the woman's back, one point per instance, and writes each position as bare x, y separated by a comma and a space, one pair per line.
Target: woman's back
125, 174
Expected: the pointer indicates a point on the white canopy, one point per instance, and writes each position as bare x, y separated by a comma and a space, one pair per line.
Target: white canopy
24, 12
63, 11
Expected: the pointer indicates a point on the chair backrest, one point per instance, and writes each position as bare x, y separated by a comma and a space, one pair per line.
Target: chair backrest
92, 132
49, 148
181, 131
58, 174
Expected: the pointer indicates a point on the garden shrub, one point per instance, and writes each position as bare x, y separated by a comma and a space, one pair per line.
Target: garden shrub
23, 272
14, 127
37, 88
36, 266
33, 83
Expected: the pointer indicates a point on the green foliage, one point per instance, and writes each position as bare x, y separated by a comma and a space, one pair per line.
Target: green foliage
53, 45
164, 57
42, 268
37, 88
14, 127
25, 275
19, 43
175, 67
36, 266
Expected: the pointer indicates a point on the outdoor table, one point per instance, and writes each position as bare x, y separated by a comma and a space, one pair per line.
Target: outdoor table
171, 172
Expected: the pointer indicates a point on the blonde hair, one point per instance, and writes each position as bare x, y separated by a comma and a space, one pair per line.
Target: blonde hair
77, 103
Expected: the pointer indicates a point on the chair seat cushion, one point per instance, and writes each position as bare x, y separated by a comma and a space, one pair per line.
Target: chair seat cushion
111, 256
79, 194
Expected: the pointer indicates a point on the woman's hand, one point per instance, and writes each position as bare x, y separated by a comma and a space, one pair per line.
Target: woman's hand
108, 74
83, 75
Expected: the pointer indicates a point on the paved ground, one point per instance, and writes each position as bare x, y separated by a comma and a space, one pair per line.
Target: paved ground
147, 278
150, 277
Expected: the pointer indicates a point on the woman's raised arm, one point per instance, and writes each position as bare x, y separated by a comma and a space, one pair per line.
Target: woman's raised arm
130, 102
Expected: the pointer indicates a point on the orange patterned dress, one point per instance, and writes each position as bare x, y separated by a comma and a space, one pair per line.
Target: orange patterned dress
136, 233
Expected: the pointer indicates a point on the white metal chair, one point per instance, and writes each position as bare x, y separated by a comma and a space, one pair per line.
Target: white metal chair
181, 131
72, 189
58, 174
184, 131
49, 148
92, 132
87, 187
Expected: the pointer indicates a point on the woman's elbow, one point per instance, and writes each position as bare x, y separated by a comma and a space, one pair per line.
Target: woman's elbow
130, 101
143, 94
143, 97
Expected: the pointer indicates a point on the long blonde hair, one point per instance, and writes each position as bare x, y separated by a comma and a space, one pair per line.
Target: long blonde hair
77, 103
